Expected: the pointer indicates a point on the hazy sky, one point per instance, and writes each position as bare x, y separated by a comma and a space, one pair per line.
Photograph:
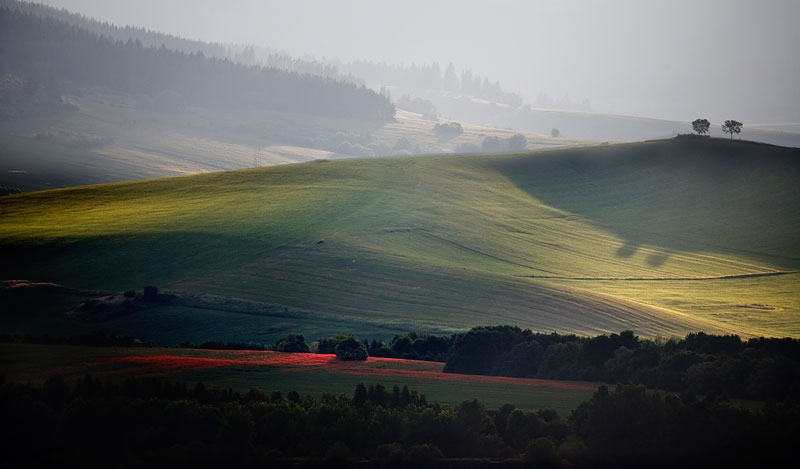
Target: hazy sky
669, 59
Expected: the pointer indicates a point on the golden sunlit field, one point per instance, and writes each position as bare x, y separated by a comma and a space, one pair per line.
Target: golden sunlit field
663, 238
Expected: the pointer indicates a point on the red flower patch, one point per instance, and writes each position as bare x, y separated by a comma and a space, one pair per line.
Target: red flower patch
188, 360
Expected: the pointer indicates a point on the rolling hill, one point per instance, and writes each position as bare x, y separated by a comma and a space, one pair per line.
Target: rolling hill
661, 237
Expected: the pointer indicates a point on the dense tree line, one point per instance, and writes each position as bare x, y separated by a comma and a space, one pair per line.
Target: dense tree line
409, 346
39, 49
413, 346
149, 422
759, 368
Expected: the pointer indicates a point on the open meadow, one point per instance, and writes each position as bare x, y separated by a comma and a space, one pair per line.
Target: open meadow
663, 238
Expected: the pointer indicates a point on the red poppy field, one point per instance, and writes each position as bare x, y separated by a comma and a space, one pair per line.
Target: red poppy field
306, 373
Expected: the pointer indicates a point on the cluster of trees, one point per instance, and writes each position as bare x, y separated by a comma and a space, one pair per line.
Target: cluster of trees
409, 346
413, 346
516, 142
448, 130
702, 127
418, 105
148, 422
431, 77
293, 343
347, 348
41, 48
351, 349
353, 143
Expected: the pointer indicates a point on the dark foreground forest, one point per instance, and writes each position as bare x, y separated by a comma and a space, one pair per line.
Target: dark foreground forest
141, 423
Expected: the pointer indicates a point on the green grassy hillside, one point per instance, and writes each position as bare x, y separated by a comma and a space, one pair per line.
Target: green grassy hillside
660, 237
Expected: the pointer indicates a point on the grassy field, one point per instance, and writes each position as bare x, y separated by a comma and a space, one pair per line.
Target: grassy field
662, 237
308, 374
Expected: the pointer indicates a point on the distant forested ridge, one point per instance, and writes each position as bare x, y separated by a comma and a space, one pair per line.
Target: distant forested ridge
43, 49
431, 77
237, 53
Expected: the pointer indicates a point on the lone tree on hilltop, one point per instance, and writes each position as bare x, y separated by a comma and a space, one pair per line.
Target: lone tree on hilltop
555, 133
732, 127
701, 126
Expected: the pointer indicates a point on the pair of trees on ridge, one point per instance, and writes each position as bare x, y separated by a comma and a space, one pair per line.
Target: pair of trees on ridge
702, 126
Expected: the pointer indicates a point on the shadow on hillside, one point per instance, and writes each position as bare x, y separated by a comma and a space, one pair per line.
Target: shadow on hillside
123, 262
676, 196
